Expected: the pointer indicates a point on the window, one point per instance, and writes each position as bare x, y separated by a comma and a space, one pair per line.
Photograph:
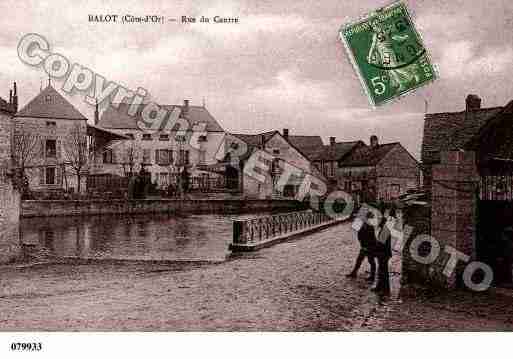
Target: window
146, 155
146, 136
276, 152
202, 156
289, 190
202, 138
164, 137
331, 169
130, 135
184, 157
51, 148
163, 157
50, 175
163, 179
275, 166
107, 156
51, 124
48, 99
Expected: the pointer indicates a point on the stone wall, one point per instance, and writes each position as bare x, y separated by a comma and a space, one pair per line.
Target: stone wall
450, 221
9, 198
418, 217
94, 207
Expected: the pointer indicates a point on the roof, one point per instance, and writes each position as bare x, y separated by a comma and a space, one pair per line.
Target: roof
369, 156
254, 140
102, 132
6, 106
118, 118
50, 104
336, 151
308, 145
452, 130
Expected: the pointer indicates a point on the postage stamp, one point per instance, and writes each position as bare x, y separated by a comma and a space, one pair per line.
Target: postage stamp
387, 53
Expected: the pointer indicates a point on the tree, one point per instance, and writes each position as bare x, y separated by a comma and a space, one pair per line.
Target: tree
25, 150
76, 152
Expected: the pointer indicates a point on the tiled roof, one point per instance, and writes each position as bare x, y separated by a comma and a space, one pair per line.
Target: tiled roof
336, 151
308, 145
254, 140
50, 104
369, 156
452, 130
119, 119
307, 142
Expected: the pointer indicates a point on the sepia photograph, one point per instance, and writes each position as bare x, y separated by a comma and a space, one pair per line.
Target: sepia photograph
292, 167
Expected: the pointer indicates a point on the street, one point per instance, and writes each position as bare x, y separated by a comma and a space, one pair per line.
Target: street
294, 286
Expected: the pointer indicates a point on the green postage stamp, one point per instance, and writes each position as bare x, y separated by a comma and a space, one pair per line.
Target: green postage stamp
388, 54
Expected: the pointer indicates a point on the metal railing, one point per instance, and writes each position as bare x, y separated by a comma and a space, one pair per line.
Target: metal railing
260, 229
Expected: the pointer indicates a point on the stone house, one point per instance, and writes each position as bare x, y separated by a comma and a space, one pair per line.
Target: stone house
284, 149
468, 169
9, 196
328, 158
448, 131
57, 132
378, 171
468, 162
164, 151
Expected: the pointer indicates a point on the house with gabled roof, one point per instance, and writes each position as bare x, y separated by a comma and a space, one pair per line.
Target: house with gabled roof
327, 158
188, 137
57, 142
49, 119
378, 171
446, 131
284, 149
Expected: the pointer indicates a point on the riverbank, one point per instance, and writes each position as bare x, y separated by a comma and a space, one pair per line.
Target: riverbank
293, 286
53, 208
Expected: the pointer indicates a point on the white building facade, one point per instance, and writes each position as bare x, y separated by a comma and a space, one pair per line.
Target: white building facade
165, 151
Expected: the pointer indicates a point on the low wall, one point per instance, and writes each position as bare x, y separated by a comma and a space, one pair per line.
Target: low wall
95, 207
418, 217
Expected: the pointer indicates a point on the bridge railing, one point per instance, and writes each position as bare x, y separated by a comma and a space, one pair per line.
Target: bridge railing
252, 231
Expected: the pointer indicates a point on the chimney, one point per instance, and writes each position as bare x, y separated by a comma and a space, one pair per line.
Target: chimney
262, 142
185, 108
15, 98
473, 102
10, 97
374, 141
286, 133
96, 114
332, 141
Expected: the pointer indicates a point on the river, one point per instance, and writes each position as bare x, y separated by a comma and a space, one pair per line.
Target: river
138, 237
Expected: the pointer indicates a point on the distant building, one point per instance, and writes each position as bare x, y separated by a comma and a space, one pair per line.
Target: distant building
378, 171
283, 149
163, 152
328, 158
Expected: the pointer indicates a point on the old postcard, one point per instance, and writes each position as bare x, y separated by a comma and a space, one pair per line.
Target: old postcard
234, 166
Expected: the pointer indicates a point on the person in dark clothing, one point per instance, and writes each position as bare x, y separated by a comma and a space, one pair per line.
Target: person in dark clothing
367, 240
383, 252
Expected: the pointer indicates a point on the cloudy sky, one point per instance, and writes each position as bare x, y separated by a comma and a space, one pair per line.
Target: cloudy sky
282, 66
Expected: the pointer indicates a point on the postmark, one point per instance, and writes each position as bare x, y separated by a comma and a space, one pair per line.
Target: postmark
388, 54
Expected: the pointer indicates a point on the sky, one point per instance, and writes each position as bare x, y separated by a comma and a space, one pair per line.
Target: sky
281, 66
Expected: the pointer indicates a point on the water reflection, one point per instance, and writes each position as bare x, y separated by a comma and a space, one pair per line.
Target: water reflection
152, 236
